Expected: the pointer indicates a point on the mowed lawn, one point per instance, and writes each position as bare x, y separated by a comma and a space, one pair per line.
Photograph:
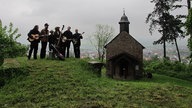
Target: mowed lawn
71, 84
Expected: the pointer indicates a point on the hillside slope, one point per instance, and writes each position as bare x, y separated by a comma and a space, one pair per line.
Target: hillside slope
70, 83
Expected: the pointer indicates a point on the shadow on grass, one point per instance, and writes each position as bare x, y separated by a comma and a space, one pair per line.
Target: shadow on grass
161, 79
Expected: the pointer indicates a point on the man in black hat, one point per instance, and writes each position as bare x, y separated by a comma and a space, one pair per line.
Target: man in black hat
44, 40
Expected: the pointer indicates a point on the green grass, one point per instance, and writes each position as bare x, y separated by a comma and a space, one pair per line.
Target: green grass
70, 84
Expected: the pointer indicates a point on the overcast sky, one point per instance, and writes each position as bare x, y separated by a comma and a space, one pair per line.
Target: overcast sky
81, 14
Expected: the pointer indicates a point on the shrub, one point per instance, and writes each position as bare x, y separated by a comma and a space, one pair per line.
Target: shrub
2, 82
168, 68
9, 47
1, 60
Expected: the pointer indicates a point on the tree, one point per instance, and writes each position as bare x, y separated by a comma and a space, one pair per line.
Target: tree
102, 35
189, 4
174, 31
168, 26
188, 26
9, 47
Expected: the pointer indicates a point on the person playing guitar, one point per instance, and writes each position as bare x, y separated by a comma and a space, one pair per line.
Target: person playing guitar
33, 34
77, 43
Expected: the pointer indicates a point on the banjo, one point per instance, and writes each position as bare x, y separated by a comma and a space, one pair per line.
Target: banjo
64, 39
76, 40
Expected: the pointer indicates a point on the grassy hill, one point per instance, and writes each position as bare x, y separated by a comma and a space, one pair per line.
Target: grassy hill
69, 83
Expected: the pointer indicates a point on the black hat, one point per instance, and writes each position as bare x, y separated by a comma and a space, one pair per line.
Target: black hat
46, 24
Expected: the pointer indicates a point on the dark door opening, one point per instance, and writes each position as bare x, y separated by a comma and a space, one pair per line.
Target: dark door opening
123, 69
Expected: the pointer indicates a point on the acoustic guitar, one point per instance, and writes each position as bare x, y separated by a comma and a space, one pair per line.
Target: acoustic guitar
35, 37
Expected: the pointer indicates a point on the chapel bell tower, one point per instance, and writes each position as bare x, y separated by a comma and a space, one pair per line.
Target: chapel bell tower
124, 23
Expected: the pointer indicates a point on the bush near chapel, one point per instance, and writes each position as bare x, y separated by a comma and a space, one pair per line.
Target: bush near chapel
169, 68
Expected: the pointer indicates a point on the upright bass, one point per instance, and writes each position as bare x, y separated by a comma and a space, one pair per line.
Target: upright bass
55, 47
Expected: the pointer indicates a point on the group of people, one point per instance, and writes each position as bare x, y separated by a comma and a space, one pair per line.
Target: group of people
58, 42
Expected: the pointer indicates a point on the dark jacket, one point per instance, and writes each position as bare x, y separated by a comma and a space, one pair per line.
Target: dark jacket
57, 36
34, 31
52, 39
45, 34
68, 34
77, 39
